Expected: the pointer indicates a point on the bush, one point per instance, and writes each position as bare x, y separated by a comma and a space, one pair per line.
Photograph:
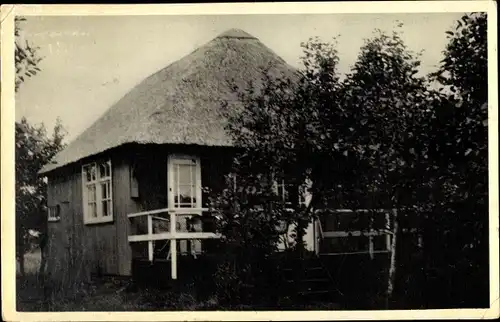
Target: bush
248, 222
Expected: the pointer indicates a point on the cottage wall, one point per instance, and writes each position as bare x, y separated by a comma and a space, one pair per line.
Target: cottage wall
78, 250
63, 237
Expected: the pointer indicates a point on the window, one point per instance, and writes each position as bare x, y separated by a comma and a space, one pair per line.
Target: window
54, 213
185, 182
290, 192
283, 189
134, 181
97, 193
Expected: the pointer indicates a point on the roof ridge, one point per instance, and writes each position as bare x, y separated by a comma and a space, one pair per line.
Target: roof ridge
236, 33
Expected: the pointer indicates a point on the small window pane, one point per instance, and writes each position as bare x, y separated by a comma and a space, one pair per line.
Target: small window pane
89, 173
185, 196
54, 212
104, 170
106, 208
104, 190
93, 209
91, 193
93, 174
185, 174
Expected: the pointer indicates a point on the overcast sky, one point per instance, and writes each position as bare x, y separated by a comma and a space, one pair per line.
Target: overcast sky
91, 62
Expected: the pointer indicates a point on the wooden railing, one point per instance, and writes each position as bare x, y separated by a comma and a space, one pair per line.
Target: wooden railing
370, 232
172, 234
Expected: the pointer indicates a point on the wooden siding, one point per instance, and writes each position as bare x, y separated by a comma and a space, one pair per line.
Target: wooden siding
123, 204
66, 260
80, 249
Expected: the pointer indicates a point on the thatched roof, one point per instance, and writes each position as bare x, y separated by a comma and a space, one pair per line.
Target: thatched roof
182, 103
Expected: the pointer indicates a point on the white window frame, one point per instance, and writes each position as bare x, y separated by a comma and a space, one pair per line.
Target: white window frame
181, 221
281, 188
87, 219
177, 159
54, 213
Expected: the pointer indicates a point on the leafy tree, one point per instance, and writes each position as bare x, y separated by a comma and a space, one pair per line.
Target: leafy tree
382, 138
249, 216
458, 229
386, 104
33, 150
282, 127
26, 56
276, 131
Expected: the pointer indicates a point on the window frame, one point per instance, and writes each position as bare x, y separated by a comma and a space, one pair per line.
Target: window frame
50, 209
97, 183
175, 159
282, 190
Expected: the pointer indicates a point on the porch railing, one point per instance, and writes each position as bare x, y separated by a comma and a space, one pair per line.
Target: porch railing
172, 234
370, 232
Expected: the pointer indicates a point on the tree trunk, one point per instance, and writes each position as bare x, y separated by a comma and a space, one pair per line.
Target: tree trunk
392, 265
300, 235
43, 254
20, 256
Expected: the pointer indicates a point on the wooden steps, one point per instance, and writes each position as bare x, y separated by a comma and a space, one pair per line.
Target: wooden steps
309, 281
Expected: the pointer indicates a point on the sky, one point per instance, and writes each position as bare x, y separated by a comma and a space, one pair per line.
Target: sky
90, 62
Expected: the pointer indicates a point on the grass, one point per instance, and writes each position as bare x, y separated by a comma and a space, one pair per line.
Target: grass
121, 295
104, 295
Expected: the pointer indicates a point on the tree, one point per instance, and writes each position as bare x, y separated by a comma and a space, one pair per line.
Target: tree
459, 147
276, 132
249, 216
26, 56
282, 126
33, 150
383, 140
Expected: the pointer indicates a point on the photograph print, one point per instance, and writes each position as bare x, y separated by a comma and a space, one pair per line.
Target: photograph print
252, 162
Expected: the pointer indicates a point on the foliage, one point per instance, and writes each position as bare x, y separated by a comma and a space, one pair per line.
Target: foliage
378, 133
384, 137
278, 132
33, 150
248, 220
457, 226
26, 57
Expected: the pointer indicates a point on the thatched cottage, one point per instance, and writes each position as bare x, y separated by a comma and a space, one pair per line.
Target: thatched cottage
124, 188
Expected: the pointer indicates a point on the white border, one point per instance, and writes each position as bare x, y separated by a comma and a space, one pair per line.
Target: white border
7, 148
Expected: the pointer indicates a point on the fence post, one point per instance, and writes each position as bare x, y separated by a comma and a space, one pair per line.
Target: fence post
150, 235
173, 245
392, 263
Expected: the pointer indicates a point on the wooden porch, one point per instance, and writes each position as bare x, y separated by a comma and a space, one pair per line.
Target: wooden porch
179, 230
163, 235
